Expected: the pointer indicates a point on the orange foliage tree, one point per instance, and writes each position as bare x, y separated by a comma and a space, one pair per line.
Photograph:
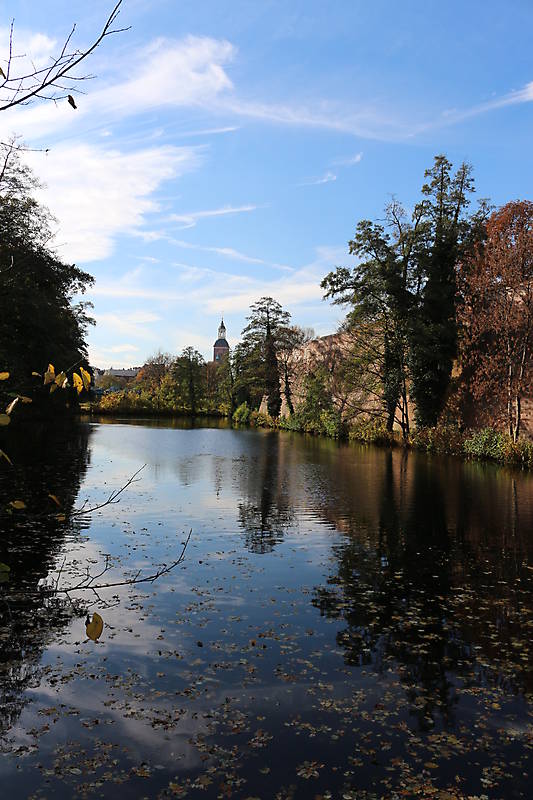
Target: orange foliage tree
497, 314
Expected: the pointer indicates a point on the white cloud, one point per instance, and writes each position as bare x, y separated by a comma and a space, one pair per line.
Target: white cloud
97, 193
124, 348
327, 178
228, 252
132, 323
30, 49
454, 115
190, 220
167, 73
349, 161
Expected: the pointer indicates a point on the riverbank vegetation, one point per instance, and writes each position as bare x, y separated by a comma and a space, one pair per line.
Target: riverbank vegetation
435, 351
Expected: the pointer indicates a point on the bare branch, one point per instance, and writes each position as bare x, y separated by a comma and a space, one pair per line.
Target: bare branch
23, 89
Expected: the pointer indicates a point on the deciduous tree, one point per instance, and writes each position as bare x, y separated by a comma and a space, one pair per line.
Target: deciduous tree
497, 313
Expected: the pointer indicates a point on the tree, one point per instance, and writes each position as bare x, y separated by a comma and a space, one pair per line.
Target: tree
261, 340
224, 382
443, 235
405, 287
496, 313
39, 323
381, 290
189, 373
154, 370
54, 81
290, 339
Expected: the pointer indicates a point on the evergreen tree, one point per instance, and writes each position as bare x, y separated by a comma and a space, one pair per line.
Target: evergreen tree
445, 230
259, 351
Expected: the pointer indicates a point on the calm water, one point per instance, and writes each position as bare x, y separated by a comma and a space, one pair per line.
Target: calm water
348, 622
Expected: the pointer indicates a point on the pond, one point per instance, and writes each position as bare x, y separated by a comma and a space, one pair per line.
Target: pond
348, 622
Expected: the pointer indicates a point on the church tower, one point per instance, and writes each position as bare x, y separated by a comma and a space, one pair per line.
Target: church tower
221, 347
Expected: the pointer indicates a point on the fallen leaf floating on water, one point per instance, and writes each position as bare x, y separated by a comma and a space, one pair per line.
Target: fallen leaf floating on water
4, 376
95, 627
5, 455
12, 405
18, 504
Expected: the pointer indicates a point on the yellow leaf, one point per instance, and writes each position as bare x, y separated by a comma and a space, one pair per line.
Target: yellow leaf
95, 627
18, 504
4, 376
36, 374
60, 379
49, 375
5, 455
54, 498
78, 383
5, 419
61, 517
24, 399
12, 405
86, 377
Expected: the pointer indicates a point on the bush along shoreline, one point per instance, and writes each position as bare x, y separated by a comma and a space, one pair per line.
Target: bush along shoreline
485, 444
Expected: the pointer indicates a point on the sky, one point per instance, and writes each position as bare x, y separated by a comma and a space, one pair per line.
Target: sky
225, 150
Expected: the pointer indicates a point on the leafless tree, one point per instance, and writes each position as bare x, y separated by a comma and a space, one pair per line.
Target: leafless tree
56, 80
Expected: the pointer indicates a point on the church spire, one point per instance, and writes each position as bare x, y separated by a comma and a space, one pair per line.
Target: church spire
222, 329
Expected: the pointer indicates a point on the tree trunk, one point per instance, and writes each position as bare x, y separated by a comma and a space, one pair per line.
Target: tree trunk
518, 417
288, 395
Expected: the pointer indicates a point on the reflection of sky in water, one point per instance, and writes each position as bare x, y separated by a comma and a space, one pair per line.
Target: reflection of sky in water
341, 600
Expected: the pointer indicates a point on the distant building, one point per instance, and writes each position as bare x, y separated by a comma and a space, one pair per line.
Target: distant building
221, 346
123, 373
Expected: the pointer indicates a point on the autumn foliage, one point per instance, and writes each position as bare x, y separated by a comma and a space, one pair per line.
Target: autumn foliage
496, 315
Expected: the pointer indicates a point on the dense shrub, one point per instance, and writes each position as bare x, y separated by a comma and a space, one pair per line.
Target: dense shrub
241, 415
324, 423
443, 439
485, 443
490, 444
123, 402
371, 431
260, 420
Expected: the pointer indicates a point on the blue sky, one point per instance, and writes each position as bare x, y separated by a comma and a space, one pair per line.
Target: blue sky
226, 150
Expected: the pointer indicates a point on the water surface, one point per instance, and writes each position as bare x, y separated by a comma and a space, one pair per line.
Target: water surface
348, 622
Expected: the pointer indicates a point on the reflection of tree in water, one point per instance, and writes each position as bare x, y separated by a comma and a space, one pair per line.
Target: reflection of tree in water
46, 460
266, 511
397, 596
